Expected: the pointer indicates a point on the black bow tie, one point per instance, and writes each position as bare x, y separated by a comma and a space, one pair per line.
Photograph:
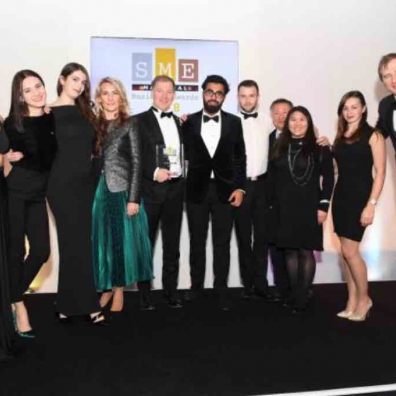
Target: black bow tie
247, 115
166, 114
207, 118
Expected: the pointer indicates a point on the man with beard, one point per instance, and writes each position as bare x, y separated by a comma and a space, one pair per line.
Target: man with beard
387, 107
250, 224
216, 178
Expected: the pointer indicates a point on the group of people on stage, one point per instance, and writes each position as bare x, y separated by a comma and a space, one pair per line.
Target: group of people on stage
111, 179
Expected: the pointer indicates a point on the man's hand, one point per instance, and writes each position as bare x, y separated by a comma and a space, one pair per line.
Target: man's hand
236, 198
162, 175
132, 208
14, 156
323, 141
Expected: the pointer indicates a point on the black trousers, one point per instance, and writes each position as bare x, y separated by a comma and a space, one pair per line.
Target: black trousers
27, 216
250, 230
221, 215
167, 213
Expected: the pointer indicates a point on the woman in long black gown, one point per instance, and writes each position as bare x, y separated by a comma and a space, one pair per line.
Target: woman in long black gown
6, 325
70, 195
299, 199
357, 149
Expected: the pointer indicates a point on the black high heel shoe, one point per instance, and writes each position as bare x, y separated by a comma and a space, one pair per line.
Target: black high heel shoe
23, 334
63, 319
99, 319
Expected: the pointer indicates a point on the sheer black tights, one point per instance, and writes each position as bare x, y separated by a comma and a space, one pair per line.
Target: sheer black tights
301, 266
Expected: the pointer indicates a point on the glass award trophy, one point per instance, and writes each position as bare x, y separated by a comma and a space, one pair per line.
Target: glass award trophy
171, 158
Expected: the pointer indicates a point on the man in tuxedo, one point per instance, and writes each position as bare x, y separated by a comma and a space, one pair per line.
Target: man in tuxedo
215, 184
250, 225
387, 107
279, 109
162, 185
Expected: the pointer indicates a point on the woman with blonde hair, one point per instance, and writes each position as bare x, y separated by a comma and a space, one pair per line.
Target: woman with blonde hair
120, 241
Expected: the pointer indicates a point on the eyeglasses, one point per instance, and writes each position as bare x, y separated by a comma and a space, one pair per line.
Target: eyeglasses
210, 93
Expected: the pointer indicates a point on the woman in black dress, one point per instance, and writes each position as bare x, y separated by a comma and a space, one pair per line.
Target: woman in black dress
357, 148
70, 194
30, 132
6, 326
301, 178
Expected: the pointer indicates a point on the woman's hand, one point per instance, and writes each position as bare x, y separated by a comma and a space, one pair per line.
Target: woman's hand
14, 156
367, 215
132, 208
322, 215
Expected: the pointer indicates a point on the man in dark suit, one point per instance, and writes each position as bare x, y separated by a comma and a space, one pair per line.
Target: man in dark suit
162, 185
216, 178
387, 107
279, 110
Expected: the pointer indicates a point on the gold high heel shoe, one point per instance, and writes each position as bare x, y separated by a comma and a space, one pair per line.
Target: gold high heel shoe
345, 314
362, 318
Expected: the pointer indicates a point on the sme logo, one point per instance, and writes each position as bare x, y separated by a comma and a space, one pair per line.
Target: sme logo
145, 66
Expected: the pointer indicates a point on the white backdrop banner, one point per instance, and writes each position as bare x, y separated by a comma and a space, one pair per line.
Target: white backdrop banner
137, 61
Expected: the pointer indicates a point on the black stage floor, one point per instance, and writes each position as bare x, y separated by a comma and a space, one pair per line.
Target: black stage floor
257, 348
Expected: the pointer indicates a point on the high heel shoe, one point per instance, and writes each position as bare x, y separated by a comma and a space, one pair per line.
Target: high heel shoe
345, 314
363, 317
24, 334
63, 319
99, 319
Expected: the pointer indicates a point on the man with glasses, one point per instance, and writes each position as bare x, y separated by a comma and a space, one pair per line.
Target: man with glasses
215, 184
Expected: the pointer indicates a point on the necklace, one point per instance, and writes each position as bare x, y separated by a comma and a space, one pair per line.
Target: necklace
305, 177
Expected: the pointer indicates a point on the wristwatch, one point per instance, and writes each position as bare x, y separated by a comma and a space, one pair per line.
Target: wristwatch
373, 202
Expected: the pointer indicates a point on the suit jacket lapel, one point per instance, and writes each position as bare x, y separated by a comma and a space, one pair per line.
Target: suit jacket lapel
154, 128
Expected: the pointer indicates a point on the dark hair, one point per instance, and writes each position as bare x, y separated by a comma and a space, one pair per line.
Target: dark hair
248, 84
163, 78
384, 62
309, 140
83, 101
216, 79
342, 125
19, 108
279, 101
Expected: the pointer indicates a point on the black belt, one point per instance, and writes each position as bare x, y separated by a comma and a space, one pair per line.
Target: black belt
256, 178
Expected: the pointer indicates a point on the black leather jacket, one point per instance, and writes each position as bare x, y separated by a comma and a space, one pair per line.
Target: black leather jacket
122, 160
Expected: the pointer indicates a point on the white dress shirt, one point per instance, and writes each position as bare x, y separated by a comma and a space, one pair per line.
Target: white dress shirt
256, 135
394, 118
211, 133
172, 142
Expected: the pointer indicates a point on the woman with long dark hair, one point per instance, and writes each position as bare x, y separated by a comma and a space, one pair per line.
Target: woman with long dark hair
70, 194
30, 132
301, 178
358, 148
121, 245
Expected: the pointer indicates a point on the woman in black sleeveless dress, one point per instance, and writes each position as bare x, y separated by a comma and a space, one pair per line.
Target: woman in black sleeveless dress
357, 148
70, 194
301, 179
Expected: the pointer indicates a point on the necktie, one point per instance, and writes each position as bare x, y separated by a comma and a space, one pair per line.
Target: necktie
166, 114
207, 118
247, 115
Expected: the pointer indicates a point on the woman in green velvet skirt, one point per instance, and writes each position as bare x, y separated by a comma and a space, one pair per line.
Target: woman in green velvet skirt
121, 246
